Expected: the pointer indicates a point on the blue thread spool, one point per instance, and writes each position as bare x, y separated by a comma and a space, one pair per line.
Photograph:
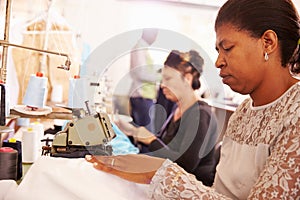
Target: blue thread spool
36, 92
77, 92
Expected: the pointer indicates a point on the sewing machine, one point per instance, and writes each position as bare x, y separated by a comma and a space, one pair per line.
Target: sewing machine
89, 134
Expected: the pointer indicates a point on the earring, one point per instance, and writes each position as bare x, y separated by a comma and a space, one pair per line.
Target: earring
266, 56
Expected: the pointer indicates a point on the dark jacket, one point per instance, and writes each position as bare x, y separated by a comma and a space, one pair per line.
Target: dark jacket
190, 141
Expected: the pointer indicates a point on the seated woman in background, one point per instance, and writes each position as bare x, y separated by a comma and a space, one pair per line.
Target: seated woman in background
189, 134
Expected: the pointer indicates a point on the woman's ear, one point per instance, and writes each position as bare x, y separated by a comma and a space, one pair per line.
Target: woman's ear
270, 41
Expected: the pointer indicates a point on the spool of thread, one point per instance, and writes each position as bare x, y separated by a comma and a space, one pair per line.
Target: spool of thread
17, 145
36, 92
57, 94
29, 145
8, 163
77, 92
23, 122
39, 128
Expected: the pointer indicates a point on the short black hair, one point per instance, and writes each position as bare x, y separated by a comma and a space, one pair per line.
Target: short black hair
258, 16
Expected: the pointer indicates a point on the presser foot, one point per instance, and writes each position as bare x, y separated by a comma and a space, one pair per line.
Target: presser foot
81, 152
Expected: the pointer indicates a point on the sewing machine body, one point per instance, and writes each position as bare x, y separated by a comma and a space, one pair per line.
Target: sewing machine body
87, 135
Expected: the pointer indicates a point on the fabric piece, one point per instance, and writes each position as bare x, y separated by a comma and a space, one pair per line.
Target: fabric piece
121, 144
7, 188
73, 179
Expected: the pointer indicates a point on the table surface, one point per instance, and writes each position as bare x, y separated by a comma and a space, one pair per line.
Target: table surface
225, 105
57, 113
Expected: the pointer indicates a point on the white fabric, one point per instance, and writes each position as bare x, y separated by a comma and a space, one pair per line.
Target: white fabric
7, 187
63, 178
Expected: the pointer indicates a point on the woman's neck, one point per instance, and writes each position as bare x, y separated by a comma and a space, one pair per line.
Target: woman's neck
272, 91
183, 105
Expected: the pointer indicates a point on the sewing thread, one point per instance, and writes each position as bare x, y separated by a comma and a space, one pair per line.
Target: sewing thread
36, 92
8, 163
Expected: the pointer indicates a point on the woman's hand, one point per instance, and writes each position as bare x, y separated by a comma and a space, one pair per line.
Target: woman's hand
144, 136
136, 168
140, 134
126, 127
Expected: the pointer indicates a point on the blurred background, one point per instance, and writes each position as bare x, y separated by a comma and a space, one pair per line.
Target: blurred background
78, 27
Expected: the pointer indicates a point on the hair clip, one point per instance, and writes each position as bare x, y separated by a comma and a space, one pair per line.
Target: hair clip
185, 57
299, 41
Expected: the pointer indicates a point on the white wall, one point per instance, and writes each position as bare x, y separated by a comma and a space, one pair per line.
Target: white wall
97, 21
110, 18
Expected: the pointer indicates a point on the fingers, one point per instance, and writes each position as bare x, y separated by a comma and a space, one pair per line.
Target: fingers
133, 167
101, 163
104, 160
125, 127
104, 163
102, 167
90, 158
144, 136
108, 162
130, 163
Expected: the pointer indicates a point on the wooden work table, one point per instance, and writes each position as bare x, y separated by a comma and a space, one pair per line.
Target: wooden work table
57, 113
